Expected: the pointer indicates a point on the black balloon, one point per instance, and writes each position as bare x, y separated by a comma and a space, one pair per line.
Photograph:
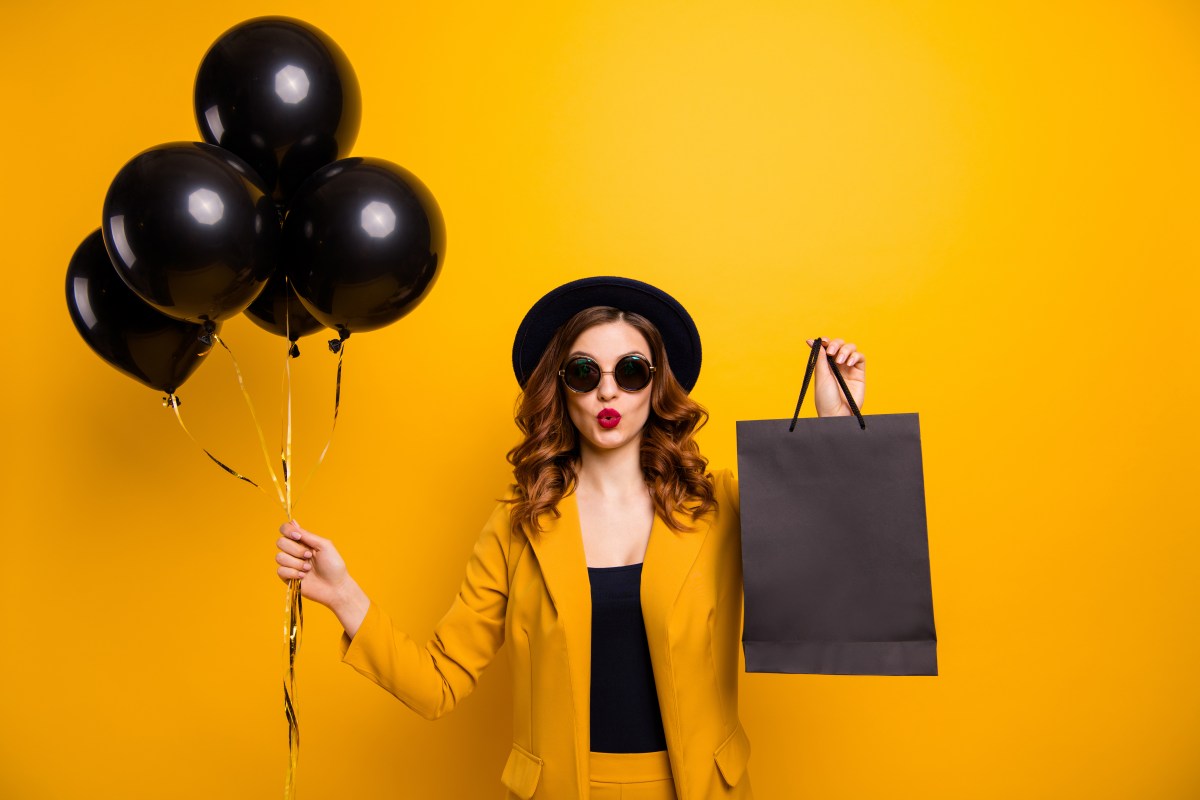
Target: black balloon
145, 344
278, 310
363, 243
192, 230
282, 95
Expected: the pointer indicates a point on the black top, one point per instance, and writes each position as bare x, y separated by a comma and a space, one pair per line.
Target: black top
625, 715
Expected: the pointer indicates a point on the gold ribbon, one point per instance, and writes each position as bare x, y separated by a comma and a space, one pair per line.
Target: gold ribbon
173, 402
293, 606
262, 440
293, 612
337, 402
293, 628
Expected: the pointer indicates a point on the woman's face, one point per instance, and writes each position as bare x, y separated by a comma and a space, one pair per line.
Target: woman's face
606, 344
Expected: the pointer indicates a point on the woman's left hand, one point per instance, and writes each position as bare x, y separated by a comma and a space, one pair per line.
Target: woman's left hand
851, 363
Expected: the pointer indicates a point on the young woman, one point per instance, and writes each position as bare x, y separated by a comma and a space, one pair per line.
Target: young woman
612, 567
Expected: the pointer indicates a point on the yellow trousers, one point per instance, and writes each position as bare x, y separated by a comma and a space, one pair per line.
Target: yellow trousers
631, 776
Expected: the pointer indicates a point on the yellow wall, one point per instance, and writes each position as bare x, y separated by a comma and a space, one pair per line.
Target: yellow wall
998, 202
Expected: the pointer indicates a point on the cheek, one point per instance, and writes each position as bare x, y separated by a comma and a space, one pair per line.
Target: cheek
643, 407
575, 412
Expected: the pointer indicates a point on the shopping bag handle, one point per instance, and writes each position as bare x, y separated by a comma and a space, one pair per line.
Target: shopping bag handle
808, 373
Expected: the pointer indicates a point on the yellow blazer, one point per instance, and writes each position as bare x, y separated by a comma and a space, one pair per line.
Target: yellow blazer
535, 594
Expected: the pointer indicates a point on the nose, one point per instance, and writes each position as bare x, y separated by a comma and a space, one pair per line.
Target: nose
607, 388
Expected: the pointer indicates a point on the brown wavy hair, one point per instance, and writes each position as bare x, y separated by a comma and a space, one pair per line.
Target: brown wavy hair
545, 463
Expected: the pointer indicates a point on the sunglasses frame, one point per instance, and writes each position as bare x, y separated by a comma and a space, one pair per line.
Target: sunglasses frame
562, 373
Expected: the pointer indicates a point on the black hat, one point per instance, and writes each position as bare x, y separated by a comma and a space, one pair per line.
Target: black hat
679, 333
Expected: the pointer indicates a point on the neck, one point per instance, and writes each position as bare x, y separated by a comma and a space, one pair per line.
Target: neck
611, 473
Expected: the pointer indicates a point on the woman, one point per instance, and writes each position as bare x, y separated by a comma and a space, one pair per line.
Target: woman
612, 566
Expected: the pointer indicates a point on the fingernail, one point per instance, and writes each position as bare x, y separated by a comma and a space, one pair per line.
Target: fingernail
308, 553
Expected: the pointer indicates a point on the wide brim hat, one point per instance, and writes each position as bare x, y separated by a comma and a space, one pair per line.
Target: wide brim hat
555, 308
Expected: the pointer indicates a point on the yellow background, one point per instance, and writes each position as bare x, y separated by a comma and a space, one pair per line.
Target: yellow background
997, 202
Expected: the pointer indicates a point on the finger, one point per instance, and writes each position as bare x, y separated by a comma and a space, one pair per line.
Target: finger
833, 347
844, 353
299, 564
822, 373
857, 360
292, 548
288, 574
293, 530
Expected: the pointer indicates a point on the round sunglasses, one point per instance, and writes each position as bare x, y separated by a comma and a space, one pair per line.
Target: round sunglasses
582, 374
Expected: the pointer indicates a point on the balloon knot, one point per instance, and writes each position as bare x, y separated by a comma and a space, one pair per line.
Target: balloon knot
171, 401
335, 345
294, 350
208, 329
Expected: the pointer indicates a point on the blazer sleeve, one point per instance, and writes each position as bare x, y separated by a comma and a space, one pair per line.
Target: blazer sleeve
432, 678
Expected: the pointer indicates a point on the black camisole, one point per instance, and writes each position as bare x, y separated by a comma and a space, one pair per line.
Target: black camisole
624, 715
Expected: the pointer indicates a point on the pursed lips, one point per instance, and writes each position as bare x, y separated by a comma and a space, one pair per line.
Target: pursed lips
608, 417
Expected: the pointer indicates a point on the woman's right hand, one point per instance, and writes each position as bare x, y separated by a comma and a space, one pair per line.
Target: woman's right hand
322, 573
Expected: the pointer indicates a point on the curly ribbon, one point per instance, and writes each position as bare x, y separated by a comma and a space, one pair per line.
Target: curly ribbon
338, 346
262, 440
292, 630
173, 402
293, 613
294, 607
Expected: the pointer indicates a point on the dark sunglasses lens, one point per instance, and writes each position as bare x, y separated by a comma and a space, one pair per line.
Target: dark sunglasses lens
582, 374
632, 373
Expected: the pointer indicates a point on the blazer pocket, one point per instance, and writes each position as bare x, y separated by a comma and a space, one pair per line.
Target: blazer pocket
732, 756
522, 772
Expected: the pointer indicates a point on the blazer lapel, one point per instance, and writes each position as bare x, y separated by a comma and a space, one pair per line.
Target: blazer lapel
669, 559
559, 551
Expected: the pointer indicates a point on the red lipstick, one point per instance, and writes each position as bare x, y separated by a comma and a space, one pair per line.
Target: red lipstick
609, 418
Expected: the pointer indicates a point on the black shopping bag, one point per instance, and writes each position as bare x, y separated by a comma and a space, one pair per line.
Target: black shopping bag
835, 553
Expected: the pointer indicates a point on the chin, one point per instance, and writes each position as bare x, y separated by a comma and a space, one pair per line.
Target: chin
616, 437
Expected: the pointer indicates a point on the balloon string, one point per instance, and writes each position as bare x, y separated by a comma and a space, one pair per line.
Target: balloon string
293, 625
292, 631
286, 444
294, 610
337, 401
254, 417
174, 402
